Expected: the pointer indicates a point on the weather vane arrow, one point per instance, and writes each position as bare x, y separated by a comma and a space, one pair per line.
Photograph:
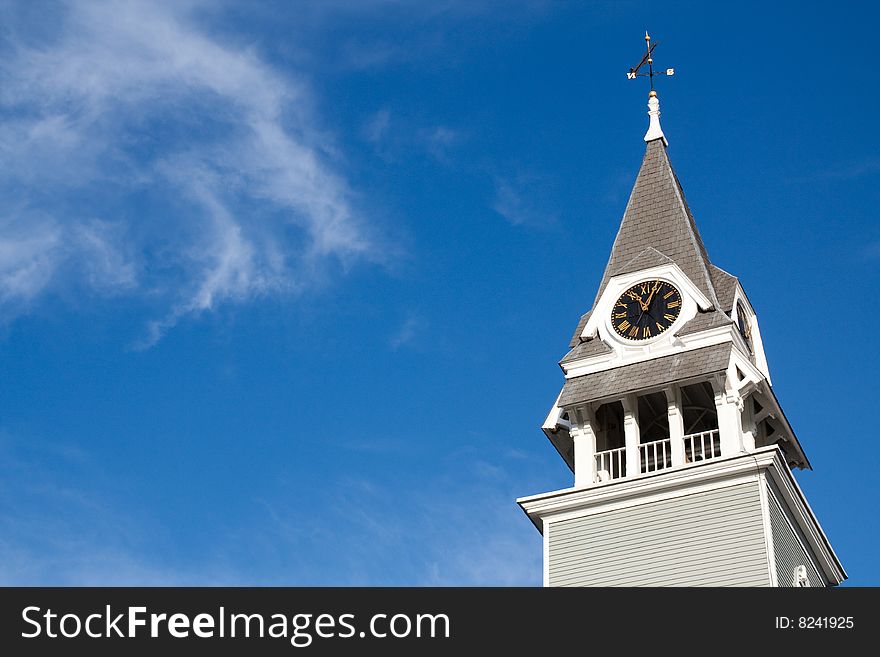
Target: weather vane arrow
648, 59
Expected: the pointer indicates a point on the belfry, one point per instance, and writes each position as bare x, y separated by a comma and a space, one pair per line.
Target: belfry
680, 450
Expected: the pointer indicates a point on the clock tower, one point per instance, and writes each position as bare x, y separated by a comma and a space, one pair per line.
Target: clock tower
680, 450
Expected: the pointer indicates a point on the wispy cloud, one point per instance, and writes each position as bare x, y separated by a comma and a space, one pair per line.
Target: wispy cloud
458, 528
394, 138
53, 532
376, 127
144, 155
59, 526
439, 140
407, 332
369, 34
522, 200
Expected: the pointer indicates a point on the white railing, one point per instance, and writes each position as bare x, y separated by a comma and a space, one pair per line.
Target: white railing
656, 455
702, 446
611, 464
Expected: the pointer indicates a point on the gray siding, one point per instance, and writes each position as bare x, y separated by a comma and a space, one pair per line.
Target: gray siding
712, 538
788, 547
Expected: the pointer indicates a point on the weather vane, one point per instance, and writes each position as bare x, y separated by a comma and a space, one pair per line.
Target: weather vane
648, 58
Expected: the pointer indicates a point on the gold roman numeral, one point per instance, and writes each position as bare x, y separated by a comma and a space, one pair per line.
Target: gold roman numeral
673, 304
646, 332
669, 294
623, 325
619, 315
659, 327
669, 317
644, 288
622, 305
633, 332
632, 295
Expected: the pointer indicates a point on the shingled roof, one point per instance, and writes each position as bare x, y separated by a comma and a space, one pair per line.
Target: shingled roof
645, 374
657, 225
576, 338
658, 228
594, 347
725, 287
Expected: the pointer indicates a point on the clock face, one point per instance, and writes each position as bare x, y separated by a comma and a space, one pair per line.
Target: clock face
743, 322
646, 310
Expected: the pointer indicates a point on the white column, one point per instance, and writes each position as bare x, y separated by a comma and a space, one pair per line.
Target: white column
584, 436
675, 413
728, 406
750, 431
631, 435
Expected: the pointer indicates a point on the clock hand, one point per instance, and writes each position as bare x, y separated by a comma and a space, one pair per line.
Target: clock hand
653, 290
637, 297
651, 316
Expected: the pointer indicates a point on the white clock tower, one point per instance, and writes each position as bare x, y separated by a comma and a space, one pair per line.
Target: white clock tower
681, 453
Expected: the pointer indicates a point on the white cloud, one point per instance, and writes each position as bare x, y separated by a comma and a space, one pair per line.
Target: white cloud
103, 256
509, 203
439, 140
524, 200
407, 332
54, 532
28, 252
132, 100
459, 525
376, 127
455, 528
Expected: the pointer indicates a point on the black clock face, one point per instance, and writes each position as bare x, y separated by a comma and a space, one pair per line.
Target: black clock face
645, 310
743, 321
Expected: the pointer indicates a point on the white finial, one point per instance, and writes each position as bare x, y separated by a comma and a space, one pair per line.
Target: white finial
654, 129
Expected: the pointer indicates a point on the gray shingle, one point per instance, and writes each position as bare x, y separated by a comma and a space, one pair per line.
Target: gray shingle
646, 374
586, 348
725, 287
650, 257
657, 217
576, 338
704, 321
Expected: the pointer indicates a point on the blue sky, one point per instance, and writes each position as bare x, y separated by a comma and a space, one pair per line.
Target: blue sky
283, 285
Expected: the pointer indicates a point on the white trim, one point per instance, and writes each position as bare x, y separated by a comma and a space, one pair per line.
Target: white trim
593, 364
753, 374
659, 496
757, 346
668, 272
768, 529
546, 564
630, 491
554, 418
707, 338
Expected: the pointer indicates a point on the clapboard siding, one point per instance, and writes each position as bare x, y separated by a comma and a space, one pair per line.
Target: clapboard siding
788, 547
712, 538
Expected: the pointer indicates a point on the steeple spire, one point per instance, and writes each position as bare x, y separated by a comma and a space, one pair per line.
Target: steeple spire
658, 223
